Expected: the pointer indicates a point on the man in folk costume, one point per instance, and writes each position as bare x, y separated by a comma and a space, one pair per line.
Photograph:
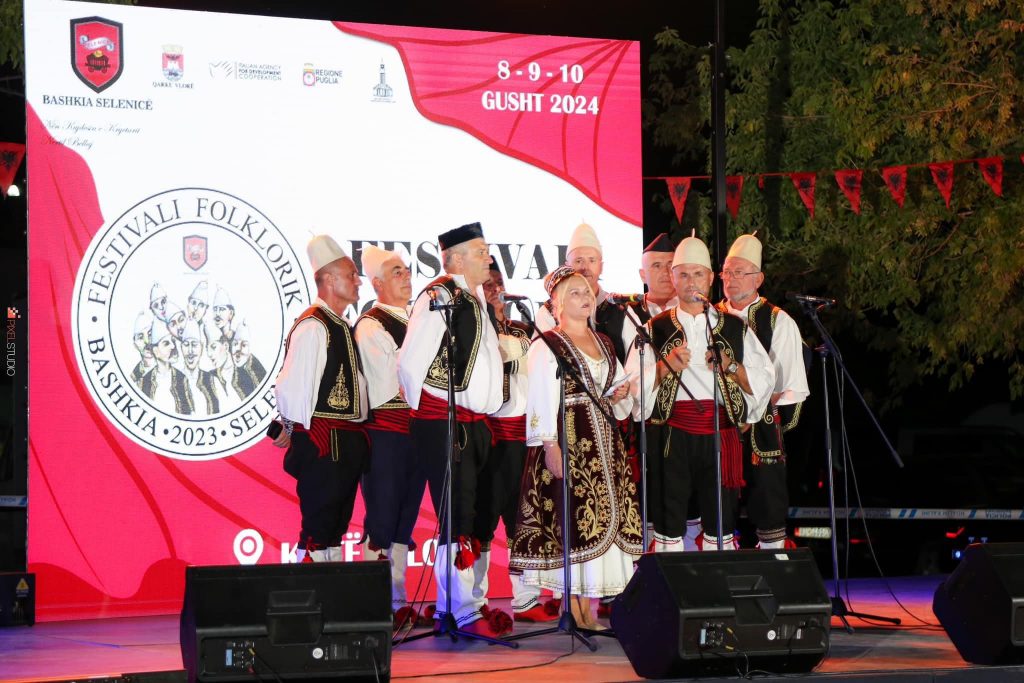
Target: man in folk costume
218, 351
198, 302
476, 372
321, 395
165, 384
393, 485
200, 382
499, 493
249, 371
687, 461
158, 301
764, 449
586, 257
140, 338
223, 313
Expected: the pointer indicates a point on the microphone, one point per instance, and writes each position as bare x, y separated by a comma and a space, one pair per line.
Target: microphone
822, 301
511, 298
699, 296
623, 299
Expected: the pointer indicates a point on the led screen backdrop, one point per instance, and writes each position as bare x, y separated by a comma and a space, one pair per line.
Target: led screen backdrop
178, 164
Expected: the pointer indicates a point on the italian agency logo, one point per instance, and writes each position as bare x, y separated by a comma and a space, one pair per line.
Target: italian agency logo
179, 316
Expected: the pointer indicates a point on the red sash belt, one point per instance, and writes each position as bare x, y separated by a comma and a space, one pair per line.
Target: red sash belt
507, 428
392, 420
687, 418
433, 408
320, 429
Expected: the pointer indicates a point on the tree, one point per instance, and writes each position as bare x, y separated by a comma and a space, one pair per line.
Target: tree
866, 84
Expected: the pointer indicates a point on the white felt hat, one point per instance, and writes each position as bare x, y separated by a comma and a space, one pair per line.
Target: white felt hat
374, 259
747, 247
584, 236
322, 250
692, 251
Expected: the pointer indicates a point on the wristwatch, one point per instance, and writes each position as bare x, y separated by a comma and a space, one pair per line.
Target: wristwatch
732, 368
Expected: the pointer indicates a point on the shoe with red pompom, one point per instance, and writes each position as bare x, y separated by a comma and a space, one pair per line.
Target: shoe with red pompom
604, 610
538, 613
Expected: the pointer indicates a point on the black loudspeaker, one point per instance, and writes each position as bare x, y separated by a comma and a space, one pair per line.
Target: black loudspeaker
287, 622
981, 604
693, 614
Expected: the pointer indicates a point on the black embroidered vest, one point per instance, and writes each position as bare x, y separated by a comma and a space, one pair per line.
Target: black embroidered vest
520, 330
611, 320
396, 327
766, 435
467, 322
667, 334
337, 397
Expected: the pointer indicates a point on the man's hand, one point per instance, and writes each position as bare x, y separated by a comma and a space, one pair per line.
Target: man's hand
678, 359
283, 440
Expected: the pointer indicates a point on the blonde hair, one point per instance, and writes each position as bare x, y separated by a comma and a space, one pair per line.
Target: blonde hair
558, 293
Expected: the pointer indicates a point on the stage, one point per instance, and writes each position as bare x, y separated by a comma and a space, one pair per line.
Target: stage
147, 649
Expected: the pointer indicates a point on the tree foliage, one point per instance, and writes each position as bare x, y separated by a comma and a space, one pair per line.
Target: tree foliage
866, 84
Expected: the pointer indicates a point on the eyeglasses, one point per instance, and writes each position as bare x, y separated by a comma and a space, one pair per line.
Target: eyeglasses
735, 274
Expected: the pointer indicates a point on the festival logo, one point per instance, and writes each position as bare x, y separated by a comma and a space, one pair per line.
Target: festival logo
97, 51
181, 355
173, 59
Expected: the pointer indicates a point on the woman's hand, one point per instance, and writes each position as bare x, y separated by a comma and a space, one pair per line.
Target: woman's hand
553, 458
620, 393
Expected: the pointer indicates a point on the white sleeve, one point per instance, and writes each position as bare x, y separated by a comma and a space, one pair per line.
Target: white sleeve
299, 380
379, 354
760, 376
512, 347
542, 396
422, 340
545, 321
788, 356
650, 376
623, 408
629, 329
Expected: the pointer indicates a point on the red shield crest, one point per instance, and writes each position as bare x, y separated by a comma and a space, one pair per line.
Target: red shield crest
97, 51
194, 251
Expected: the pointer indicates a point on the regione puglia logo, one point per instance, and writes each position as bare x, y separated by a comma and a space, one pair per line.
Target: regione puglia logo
181, 353
97, 51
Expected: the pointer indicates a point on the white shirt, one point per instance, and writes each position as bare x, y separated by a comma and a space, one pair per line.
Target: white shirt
787, 356
299, 380
423, 339
629, 330
379, 353
517, 383
697, 377
545, 390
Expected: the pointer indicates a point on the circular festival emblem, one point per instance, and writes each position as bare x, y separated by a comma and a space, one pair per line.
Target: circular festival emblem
179, 317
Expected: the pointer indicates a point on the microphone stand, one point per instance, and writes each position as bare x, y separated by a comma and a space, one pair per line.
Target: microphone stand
716, 370
446, 624
828, 349
567, 622
642, 341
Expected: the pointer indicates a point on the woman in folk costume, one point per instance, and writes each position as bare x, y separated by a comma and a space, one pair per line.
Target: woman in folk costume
605, 528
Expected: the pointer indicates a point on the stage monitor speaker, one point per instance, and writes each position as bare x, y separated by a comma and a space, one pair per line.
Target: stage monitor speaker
981, 604
287, 622
694, 614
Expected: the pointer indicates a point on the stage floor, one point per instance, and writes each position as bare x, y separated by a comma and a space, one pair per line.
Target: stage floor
919, 650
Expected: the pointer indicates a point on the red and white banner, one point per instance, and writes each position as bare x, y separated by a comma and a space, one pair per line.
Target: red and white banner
179, 163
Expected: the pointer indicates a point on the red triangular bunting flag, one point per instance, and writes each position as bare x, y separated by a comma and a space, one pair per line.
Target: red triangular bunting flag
992, 172
942, 174
804, 184
849, 183
11, 154
678, 189
733, 188
896, 178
